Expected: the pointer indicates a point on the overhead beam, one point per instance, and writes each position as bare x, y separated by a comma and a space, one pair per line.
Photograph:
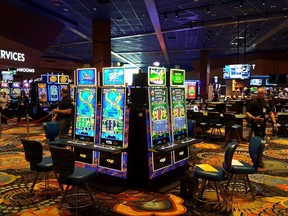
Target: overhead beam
153, 13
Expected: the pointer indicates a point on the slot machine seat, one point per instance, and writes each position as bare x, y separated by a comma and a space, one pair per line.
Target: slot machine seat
231, 128
34, 155
64, 165
200, 124
52, 132
216, 125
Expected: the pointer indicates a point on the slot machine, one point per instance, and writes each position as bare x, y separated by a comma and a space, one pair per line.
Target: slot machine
114, 123
5, 87
63, 81
15, 91
84, 128
52, 88
178, 113
26, 87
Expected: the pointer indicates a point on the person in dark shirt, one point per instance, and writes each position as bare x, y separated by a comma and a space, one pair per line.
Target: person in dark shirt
64, 112
23, 105
258, 113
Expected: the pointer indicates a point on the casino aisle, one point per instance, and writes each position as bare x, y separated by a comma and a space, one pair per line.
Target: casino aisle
270, 184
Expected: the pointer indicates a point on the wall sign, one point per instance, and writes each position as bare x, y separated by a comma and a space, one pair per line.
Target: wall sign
13, 56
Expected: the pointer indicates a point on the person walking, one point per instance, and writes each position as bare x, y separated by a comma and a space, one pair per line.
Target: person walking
23, 105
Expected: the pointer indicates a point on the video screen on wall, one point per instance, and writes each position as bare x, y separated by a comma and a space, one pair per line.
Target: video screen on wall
256, 82
156, 76
86, 77
237, 71
178, 113
159, 116
113, 76
85, 107
113, 116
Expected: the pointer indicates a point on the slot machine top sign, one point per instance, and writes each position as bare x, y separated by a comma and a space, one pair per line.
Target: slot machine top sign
63, 79
86, 77
177, 77
156, 76
52, 78
114, 76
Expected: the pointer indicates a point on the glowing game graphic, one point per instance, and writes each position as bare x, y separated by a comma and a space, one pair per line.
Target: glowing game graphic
156, 76
85, 114
113, 76
42, 90
177, 77
53, 93
178, 107
159, 115
86, 76
112, 124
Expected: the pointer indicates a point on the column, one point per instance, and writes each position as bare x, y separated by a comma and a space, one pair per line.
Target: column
204, 73
101, 44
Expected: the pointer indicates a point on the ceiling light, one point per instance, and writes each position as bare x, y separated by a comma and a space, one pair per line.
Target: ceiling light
266, 16
285, 14
176, 14
263, 2
165, 16
208, 10
241, 4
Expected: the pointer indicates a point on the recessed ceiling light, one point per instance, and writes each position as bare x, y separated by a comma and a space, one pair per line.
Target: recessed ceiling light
65, 10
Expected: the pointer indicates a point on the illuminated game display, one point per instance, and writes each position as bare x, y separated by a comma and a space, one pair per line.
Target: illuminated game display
156, 76
26, 86
5, 87
85, 114
237, 71
159, 116
41, 90
177, 77
86, 77
112, 123
15, 90
178, 116
113, 76
53, 95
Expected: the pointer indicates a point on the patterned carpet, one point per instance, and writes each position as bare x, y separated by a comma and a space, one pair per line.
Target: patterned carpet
270, 185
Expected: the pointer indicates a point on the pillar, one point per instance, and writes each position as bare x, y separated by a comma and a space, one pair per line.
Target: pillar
101, 44
204, 73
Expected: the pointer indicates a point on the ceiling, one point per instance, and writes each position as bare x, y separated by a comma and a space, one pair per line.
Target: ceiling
172, 32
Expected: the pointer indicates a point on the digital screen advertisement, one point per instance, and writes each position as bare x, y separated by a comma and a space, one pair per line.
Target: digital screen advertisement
178, 115
113, 76
156, 76
85, 114
177, 77
86, 76
237, 71
159, 116
113, 112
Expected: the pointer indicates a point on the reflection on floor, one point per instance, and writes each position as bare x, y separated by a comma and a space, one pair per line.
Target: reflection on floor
270, 183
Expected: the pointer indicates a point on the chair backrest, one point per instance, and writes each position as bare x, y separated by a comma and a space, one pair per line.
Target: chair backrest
63, 161
191, 127
213, 118
256, 147
33, 152
51, 129
229, 120
228, 155
197, 116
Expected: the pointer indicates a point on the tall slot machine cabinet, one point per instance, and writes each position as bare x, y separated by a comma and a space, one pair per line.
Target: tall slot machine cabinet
114, 121
158, 135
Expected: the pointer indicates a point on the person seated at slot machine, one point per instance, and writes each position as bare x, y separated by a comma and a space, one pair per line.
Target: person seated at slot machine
270, 97
23, 105
4, 103
283, 94
63, 113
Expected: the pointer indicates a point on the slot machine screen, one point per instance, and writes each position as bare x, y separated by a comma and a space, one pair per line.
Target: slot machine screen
42, 90
156, 76
86, 77
15, 90
53, 93
85, 114
26, 84
177, 77
159, 119
113, 113
178, 115
113, 76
